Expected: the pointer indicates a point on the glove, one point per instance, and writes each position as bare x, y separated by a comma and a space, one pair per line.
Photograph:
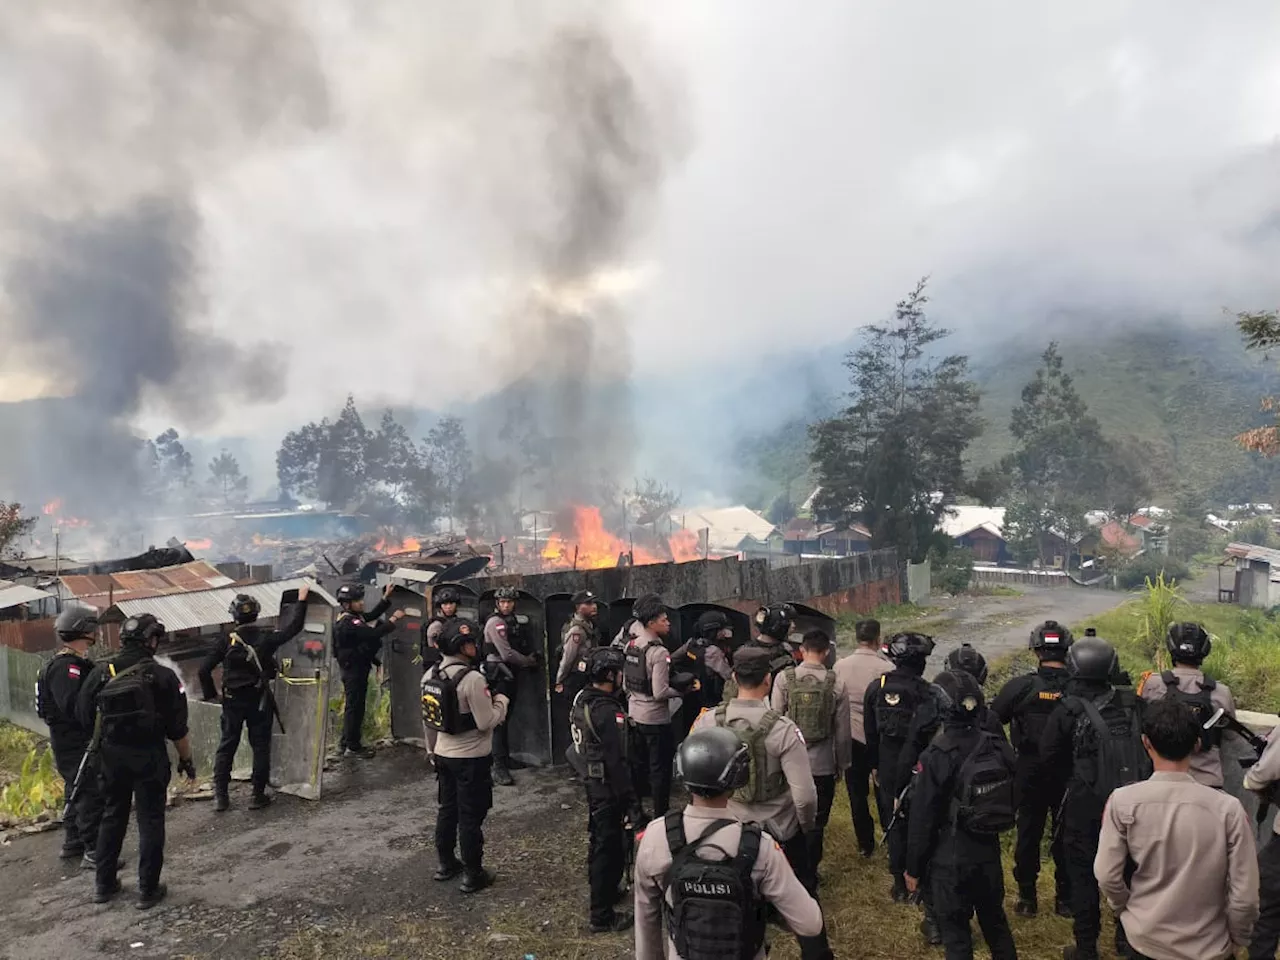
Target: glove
637, 818
187, 768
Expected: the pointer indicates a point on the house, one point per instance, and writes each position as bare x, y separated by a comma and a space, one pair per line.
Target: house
803, 537
26, 617
731, 529
1257, 575
980, 529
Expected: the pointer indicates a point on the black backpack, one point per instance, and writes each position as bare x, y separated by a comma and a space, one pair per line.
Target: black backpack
1201, 705
1107, 750
440, 708
715, 912
1033, 712
984, 802
635, 672
127, 704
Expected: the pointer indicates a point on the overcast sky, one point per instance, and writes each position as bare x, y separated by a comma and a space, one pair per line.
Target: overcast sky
1097, 158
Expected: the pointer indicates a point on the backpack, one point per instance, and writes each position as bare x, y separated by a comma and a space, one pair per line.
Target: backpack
1032, 715
715, 912
896, 706
440, 708
245, 663
761, 785
1201, 705
781, 660
635, 672
811, 704
127, 704
983, 803
1108, 752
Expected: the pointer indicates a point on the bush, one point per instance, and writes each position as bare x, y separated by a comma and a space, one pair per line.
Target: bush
37, 790
951, 572
1257, 531
1152, 566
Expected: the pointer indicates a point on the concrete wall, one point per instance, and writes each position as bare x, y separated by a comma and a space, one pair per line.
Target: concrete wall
919, 581
991, 576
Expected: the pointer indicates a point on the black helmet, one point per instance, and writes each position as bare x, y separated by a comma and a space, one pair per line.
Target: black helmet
910, 649
1188, 643
776, 620
458, 633
506, 593
244, 608
444, 595
584, 596
350, 593
713, 761
77, 621
1093, 659
710, 624
1050, 637
605, 663
141, 629
966, 658
963, 692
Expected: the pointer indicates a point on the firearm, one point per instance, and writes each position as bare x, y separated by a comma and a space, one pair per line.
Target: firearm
632, 829
268, 702
86, 763
1221, 720
499, 676
901, 805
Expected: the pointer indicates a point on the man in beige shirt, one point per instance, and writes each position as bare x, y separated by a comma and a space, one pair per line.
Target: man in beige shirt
857, 672
1262, 778
713, 763
457, 705
821, 711
1193, 894
647, 681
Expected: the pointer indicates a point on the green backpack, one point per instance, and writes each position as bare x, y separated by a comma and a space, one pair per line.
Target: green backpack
811, 704
761, 785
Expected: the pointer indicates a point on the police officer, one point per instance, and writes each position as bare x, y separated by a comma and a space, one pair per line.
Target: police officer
446, 600
723, 919
1026, 703
899, 710
1070, 743
1188, 645
630, 628
57, 692
578, 637
134, 704
357, 644
956, 847
647, 680
705, 657
865, 666
458, 704
505, 645
598, 722
967, 659
248, 661
815, 699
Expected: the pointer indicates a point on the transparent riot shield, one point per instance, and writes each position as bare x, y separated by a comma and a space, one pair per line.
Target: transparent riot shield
402, 666
302, 699
529, 724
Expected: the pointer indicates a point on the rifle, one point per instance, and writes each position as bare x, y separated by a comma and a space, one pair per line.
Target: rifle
268, 702
901, 805
1221, 720
90, 753
499, 676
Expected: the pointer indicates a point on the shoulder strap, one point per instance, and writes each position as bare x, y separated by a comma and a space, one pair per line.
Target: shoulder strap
748, 850
1092, 711
722, 718
1170, 678
830, 681
770, 717
674, 822
791, 675
882, 678
253, 654
1208, 683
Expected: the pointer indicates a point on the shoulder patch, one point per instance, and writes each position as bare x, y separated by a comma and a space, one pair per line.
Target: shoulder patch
800, 737
1142, 681
73, 670
621, 718
502, 629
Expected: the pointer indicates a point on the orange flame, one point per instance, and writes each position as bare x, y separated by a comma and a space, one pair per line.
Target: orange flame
590, 546
52, 507
407, 545
204, 544
684, 546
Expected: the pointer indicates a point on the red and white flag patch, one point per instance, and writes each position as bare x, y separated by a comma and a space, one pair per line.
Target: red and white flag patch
73, 670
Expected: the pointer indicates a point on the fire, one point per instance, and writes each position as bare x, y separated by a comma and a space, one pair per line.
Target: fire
590, 546
684, 546
407, 545
52, 507
204, 544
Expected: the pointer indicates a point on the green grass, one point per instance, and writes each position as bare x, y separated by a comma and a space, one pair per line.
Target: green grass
15, 744
995, 590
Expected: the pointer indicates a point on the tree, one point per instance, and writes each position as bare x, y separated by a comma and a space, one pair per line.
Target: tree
894, 458
650, 499
226, 478
1261, 331
342, 470
13, 527
176, 465
447, 451
298, 459
781, 511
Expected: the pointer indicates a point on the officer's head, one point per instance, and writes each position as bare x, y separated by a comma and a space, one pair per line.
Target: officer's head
751, 672
1170, 731
459, 640
584, 604
447, 599
968, 659
1093, 660
815, 646
776, 621
604, 668
1050, 641
143, 630
505, 599
910, 651
651, 614
351, 597
713, 762
964, 695
77, 623
867, 632
244, 609
714, 627
1188, 643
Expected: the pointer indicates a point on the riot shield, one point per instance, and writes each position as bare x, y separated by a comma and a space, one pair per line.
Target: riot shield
302, 697
402, 667
558, 609
809, 618
529, 723
617, 614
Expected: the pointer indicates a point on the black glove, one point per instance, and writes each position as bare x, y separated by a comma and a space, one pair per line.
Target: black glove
187, 768
637, 818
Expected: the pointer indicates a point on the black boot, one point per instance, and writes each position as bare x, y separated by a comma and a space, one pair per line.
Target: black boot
1077, 952
899, 891
221, 798
447, 871
620, 922
502, 776
259, 800
1062, 906
71, 850
105, 894
149, 898
1027, 906
929, 930
473, 881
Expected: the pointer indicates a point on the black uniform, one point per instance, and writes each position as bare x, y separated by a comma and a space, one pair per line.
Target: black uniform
1026, 703
357, 643
60, 684
244, 684
135, 764
1081, 809
964, 869
599, 724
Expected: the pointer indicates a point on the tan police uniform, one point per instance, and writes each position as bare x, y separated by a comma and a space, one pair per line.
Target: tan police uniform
858, 671
831, 756
474, 698
579, 636
1206, 767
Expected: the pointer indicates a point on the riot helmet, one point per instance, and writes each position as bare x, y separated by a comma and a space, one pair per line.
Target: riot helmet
456, 636
506, 593
1093, 659
776, 620
605, 665
1050, 640
965, 657
1188, 643
244, 608
909, 651
350, 593
713, 761
964, 694
710, 624
144, 628
446, 594
77, 621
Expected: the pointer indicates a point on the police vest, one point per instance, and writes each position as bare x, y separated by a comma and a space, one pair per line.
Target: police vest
586, 736
126, 705
896, 703
1032, 714
78, 668
441, 710
636, 678
1201, 704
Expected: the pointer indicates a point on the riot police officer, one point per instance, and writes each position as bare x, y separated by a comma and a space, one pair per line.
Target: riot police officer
506, 647
1026, 703
774, 624
579, 636
647, 681
705, 657
57, 691
357, 644
248, 661
445, 599
968, 659
598, 722
134, 705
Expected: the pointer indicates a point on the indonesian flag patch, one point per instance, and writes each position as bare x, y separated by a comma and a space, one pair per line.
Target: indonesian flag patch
73, 670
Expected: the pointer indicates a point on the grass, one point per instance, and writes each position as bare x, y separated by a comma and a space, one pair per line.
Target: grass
993, 590
15, 744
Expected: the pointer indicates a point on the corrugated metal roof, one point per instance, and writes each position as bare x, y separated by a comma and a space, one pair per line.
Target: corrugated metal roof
413, 575
102, 589
12, 594
960, 520
1249, 551
209, 608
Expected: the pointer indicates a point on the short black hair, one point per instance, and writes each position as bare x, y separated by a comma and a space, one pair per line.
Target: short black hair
750, 667
816, 641
1171, 727
648, 609
867, 631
